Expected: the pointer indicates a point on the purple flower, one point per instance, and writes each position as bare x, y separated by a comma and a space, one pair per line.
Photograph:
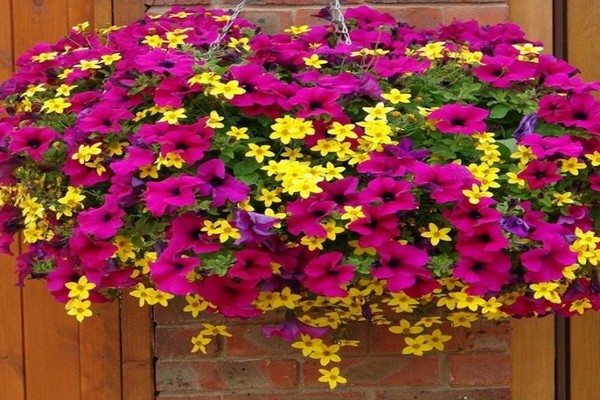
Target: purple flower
291, 329
516, 226
253, 227
526, 126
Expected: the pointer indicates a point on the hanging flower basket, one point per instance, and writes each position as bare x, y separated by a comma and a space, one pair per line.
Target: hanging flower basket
352, 171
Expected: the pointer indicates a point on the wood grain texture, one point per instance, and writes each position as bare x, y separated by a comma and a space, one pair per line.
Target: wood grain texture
128, 11
583, 52
51, 346
6, 40
12, 373
585, 353
79, 11
535, 18
36, 21
583, 31
100, 353
532, 348
136, 350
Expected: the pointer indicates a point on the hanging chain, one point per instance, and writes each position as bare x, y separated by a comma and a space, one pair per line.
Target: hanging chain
341, 29
223, 32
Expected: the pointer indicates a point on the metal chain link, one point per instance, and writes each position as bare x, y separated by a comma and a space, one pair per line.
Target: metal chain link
341, 29
223, 32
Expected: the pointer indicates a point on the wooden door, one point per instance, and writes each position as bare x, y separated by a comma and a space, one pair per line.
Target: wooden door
45, 354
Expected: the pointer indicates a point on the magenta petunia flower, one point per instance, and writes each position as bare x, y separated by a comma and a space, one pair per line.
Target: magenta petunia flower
305, 215
485, 237
399, 265
221, 187
189, 143
445, 183
538, 174
103, 119
458, 118
93, 253
232, 297
32, 140
486, 272
102, 222
251, 265
317, 101
173, 273
375, 228
325, 276
503, 71
390, 195
547, 146
546, 263
466, 216
185, 233
171, 193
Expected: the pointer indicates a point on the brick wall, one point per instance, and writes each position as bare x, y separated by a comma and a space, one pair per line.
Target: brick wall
475, 366
276, 15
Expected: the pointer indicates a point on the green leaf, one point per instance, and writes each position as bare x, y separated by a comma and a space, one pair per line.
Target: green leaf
499, 111
245, 167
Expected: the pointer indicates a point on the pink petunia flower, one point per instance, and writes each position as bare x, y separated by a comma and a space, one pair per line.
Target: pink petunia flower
325, 276
399, 265
32, 140
458, 118
171, 193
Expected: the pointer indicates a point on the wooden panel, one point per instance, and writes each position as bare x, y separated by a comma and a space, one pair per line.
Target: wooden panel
532, 347
51, 346
6, 46
535, 18
583, 52
38, 21
79, 11
102, 13
12, 384
128, 11
100, 353
583, 32
136, 350
585, 353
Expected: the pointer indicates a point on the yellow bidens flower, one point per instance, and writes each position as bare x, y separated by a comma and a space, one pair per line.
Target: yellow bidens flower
332, 377
546, 290
314, 61
80, 309
80, 289
395, 96
57, 105
228, 90
297, 30
435, 234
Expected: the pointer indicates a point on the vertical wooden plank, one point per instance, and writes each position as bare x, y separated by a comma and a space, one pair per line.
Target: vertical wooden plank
535, 18
103, 13
582, 35
51, 346
38, 21
585, 352
584, 52
12, 384
100, 353
79, 11
137, 330
128, 11
532, 348
6, 37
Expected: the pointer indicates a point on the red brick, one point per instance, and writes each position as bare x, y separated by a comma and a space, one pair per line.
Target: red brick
248, 340
305, 16
175, 342
384, 341
270, 21
420, 17
480, 369
485, 15
485, 336
377, 371
212, 375
445, 394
